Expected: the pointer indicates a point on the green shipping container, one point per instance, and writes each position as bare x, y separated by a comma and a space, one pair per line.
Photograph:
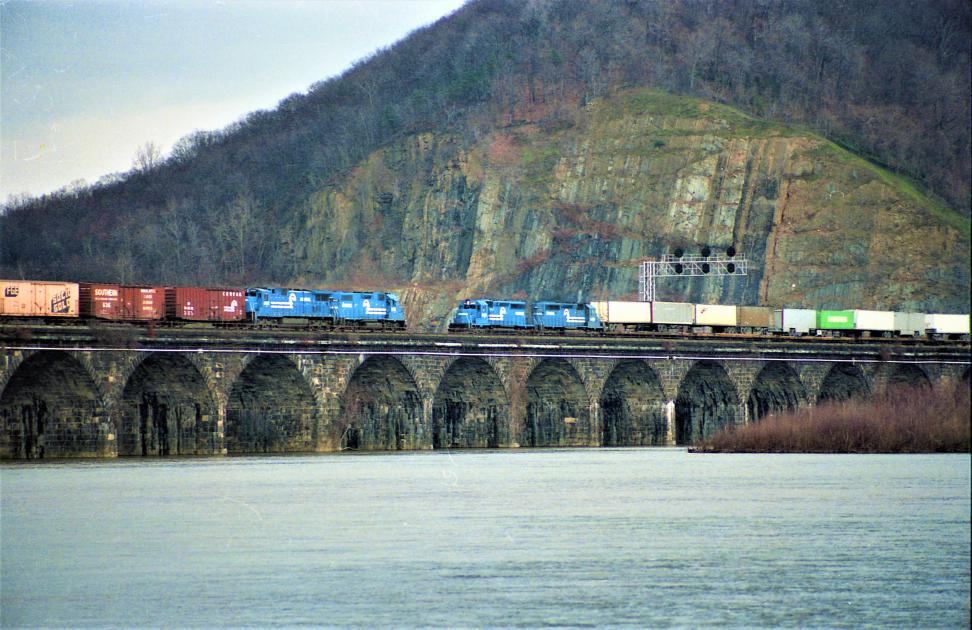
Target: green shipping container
835, 320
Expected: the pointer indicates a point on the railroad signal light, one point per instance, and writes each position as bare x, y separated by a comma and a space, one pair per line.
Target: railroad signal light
693, 265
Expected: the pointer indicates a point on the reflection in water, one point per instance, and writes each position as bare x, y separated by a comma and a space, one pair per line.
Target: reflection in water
643, 537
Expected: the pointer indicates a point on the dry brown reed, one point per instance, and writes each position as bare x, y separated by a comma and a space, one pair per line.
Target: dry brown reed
900, 420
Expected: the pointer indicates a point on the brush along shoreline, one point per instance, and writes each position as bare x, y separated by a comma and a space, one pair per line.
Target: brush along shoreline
903, 419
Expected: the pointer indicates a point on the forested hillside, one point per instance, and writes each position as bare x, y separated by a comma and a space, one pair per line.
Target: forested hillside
488, 111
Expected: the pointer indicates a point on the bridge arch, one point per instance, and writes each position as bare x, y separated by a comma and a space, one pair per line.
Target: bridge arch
471, 408
777, 389
167, 408
51, 407
843, 381
558, 409
382, 408
632, 406
270, 408
707, 401
909, 374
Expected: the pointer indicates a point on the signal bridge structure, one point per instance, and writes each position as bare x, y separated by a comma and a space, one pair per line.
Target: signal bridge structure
678, 265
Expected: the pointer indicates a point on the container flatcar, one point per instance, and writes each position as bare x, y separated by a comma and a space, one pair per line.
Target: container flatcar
26, 298
755, 319
716, 317
794, 321
622, 315
673, 316
947, 325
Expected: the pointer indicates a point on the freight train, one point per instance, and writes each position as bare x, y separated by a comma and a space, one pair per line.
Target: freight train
687, 318
41, 300
255, 306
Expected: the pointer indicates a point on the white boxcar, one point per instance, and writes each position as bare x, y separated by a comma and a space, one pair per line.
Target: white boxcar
794, 320
623, 313
878, 321
940, 324
673, 313
715, 315
909, 324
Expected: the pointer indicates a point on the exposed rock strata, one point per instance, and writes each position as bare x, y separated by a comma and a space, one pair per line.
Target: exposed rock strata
568, 210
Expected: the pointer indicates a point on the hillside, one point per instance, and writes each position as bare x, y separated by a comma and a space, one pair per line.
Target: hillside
568, 213
543, 149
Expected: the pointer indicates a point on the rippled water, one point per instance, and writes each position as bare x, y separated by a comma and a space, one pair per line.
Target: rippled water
586, 537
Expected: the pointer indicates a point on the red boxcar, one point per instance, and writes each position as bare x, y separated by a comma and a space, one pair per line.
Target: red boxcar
122, 302
205, 305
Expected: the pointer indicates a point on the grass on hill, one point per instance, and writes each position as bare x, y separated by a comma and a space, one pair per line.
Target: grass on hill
901, 420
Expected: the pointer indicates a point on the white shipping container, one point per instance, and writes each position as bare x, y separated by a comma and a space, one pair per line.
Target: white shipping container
715, 315
797, 320
623, 312
947, 324
909, 323
673, 313
874, 320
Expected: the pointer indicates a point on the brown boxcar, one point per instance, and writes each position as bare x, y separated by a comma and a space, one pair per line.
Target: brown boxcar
205, 305
122, 302
26, 298
756, 317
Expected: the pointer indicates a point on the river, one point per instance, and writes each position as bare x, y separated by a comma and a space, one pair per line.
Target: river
653, 537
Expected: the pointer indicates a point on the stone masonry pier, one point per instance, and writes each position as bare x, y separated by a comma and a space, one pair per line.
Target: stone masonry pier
120, 391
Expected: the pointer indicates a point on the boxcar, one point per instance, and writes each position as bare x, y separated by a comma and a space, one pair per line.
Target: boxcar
121, 302
564, 315
26, 298
204, 304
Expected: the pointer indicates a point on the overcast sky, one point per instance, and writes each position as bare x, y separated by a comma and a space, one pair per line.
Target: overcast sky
85, 84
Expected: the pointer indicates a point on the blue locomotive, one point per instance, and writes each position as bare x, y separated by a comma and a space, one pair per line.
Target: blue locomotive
486, 313
333, 308
511, 314
565, 315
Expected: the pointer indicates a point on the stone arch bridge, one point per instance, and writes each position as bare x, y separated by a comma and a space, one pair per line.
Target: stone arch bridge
115, 391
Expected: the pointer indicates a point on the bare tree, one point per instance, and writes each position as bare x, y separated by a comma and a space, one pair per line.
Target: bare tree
147, 157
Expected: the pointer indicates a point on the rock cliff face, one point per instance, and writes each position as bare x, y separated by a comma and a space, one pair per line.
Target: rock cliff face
567, 210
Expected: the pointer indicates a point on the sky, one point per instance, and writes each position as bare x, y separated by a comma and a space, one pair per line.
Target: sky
85, 84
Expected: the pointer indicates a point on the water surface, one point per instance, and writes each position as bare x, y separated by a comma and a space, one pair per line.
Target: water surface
576, 537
